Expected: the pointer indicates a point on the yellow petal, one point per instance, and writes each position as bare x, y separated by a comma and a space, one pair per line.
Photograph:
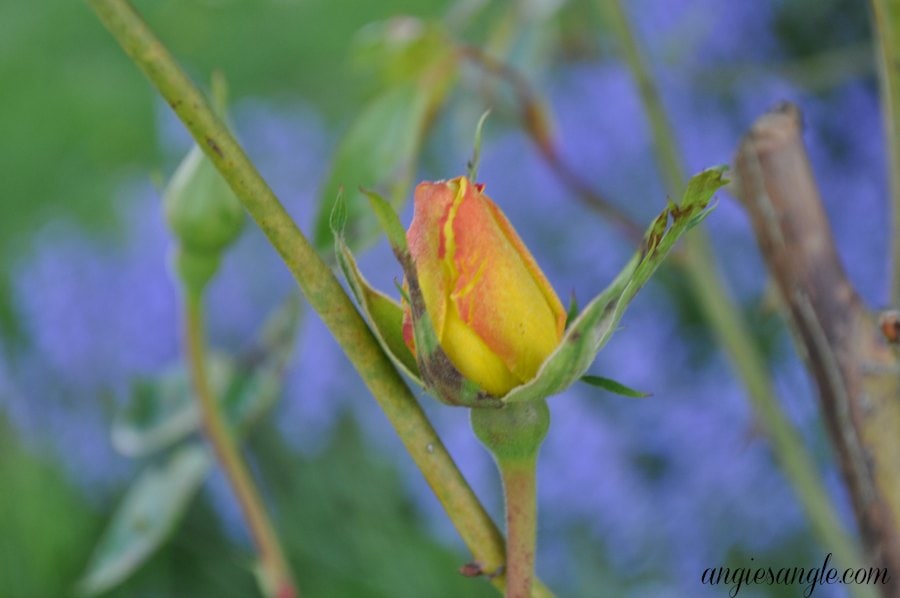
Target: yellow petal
426, 246
496, 290
473, 358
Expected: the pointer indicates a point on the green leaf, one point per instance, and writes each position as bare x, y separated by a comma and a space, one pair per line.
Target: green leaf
385, 315
402, 49
46, 518
591, 330
161, 410
379, 151
614, 387
417, 63
256, 385
146, 517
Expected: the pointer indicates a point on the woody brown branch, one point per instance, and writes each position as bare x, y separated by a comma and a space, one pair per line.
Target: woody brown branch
854, 366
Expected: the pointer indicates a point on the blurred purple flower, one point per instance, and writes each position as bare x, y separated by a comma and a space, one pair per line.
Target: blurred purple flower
685, 34
97, 313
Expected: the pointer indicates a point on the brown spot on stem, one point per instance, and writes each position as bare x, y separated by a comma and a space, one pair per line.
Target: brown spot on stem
214, 146
471, 570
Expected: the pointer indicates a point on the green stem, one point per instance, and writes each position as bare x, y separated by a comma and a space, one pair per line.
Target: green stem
886, 26
514, 434
318, 283
277, 579
726, 321
520, 492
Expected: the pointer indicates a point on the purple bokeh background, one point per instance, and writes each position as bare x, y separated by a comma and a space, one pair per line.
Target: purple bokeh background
661, 488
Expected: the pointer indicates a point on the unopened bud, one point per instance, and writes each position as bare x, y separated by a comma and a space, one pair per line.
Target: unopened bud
203, 212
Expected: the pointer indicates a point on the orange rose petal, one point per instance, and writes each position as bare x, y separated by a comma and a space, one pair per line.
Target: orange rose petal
426, 245
496, 293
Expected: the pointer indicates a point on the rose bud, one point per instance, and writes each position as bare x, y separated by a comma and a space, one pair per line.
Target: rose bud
494, 313
203, 212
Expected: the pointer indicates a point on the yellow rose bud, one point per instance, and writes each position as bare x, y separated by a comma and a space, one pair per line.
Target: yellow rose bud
494, 313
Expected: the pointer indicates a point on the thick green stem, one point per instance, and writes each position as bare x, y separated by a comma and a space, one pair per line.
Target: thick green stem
520, 492
726, 321
277, 580
318, 283
886, 26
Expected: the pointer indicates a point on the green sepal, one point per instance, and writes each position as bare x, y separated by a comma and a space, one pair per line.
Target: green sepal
385, 315
512, 433
441, 376
614, 387
194, 269
572, 311
148, 515
593, 327
388, 220
436, 370
472, 166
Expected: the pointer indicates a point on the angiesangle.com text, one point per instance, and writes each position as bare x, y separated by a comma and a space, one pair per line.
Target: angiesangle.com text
808, 577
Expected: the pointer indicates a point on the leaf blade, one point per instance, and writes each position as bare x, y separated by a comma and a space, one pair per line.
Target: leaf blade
144, 520
614, 387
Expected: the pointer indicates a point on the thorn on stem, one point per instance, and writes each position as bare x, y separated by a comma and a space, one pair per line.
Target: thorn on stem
471, 570
889, 322
474, 569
